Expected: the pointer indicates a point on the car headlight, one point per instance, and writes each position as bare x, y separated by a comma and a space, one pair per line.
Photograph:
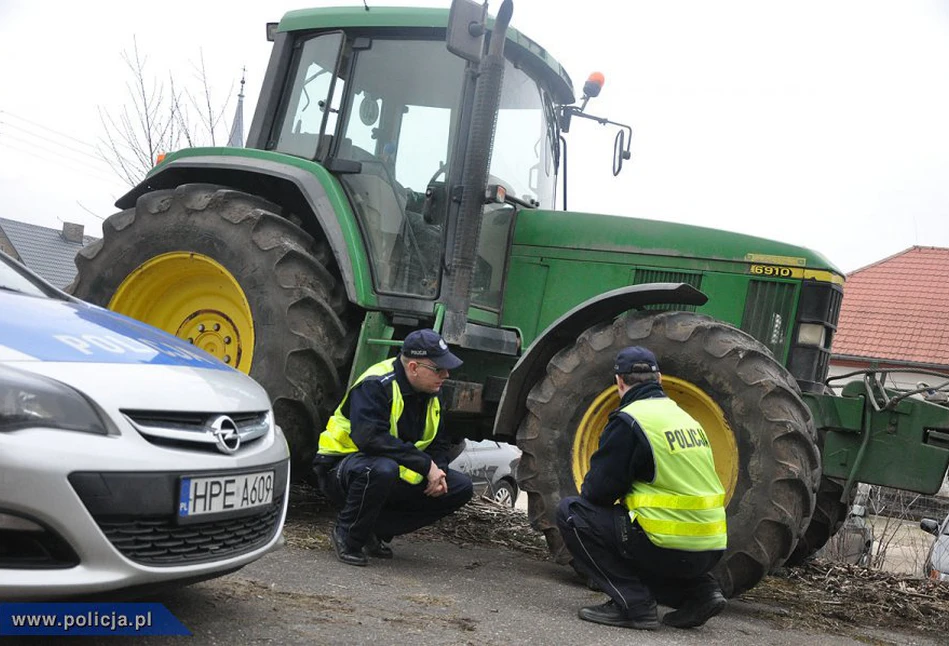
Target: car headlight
811, 334
28, 400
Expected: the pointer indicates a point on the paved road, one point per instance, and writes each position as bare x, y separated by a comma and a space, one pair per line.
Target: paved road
436, 592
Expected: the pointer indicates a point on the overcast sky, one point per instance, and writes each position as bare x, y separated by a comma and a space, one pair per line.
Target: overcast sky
820, 123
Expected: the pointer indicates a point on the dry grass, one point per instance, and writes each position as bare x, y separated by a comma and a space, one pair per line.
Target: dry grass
480, 522
833, 596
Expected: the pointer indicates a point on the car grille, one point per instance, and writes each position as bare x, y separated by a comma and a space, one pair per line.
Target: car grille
160, 541
193, 430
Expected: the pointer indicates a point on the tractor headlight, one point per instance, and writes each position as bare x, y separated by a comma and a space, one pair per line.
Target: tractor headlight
29, 400
811, 334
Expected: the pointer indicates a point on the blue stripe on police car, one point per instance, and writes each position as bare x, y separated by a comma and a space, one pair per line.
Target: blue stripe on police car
54, 330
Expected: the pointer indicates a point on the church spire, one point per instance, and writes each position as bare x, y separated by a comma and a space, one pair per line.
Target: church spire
236, 139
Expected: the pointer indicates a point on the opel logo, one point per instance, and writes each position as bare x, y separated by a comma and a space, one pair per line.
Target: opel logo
225, 433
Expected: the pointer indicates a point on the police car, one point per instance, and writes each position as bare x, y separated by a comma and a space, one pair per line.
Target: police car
128, 458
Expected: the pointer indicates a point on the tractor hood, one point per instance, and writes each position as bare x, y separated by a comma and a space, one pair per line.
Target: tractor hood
597, 232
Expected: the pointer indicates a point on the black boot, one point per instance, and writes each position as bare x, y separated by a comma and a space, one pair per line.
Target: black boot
378, 548
612, 615
344, 552
694, 613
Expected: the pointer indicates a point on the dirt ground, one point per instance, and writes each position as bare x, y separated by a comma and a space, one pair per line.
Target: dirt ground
482, 578
834, 597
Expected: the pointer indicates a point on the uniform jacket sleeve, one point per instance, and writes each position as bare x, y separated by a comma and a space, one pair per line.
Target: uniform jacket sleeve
369, 411
624, 455
440, 448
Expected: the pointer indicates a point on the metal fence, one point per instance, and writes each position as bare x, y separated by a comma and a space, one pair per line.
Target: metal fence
907, 505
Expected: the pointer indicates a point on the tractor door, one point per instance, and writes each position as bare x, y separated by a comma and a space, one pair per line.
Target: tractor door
402, 102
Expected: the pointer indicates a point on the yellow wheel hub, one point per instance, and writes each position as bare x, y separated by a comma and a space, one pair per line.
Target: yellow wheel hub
195, 298
692, 399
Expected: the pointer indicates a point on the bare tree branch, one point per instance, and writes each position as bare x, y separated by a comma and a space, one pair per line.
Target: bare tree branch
154, 119
209, 118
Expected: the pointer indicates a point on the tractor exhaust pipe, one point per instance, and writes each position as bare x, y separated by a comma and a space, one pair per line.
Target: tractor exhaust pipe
474, 180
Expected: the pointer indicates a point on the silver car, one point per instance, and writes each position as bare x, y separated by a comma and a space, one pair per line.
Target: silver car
492, 467
128, 458
937, 561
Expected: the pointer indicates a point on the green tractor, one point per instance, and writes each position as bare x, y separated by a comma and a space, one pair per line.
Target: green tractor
402, 171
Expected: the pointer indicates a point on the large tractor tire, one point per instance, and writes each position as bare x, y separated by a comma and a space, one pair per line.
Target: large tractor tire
225, 271
761, 431
829, 516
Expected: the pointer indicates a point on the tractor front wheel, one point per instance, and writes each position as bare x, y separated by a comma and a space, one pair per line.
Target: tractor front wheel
224, 271
761, 431
830, 512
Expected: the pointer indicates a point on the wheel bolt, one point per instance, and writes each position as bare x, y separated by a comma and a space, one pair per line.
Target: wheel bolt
227, 340
217, 327
227, 358
201, 327
191, 341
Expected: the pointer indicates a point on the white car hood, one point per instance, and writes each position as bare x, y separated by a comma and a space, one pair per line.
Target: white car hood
157, 387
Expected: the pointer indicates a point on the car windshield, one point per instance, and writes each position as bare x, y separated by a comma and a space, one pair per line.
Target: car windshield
11, 279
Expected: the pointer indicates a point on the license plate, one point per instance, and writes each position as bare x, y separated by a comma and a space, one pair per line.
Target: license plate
218, 494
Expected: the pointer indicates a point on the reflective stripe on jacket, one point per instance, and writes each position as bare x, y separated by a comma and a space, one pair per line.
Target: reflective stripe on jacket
335, 440
683, 507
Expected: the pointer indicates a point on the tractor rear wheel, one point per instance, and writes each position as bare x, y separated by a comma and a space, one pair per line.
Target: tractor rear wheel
223, 270
761, 431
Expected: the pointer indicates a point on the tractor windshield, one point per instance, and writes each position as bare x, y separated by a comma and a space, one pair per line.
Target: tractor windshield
525, 141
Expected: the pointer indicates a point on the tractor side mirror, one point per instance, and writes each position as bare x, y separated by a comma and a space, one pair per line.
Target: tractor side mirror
466, 29
620, 151
624, 138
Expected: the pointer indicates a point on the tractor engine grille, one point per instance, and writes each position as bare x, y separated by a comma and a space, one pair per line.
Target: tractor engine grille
767, 316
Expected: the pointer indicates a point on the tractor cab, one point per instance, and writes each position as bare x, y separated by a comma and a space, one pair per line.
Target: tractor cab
386, 109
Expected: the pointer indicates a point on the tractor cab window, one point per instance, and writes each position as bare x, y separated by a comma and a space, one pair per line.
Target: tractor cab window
403, 103
525, 141
308, 110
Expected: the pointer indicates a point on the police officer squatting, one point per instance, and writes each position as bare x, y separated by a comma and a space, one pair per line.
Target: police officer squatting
661, 541
383, 458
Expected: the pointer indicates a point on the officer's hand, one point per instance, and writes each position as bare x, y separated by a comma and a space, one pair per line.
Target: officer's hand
440, 489
437, 484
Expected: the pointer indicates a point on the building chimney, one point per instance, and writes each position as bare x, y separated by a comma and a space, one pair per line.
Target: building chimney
73, 232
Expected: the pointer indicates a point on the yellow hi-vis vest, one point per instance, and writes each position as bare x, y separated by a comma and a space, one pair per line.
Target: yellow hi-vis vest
683, 507
335, 440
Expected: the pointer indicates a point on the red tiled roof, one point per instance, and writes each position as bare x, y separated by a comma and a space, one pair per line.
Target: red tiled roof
898, 308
